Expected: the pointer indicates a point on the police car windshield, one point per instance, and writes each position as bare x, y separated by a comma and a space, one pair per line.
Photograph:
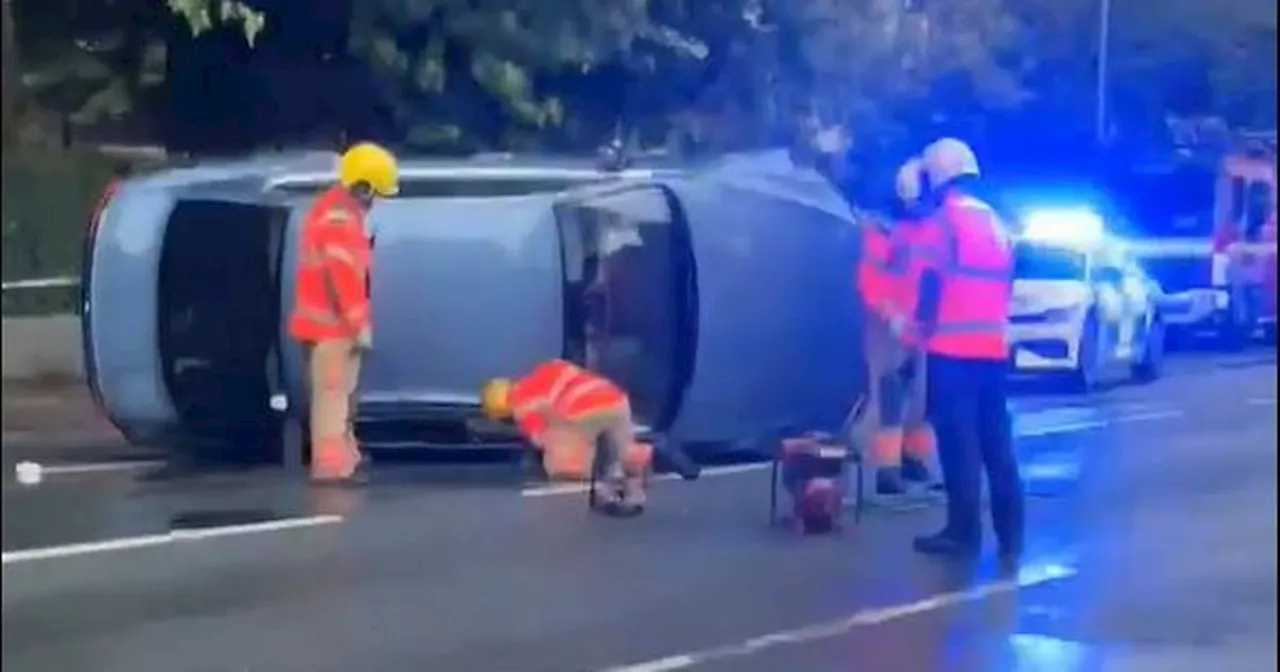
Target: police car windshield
1043, 262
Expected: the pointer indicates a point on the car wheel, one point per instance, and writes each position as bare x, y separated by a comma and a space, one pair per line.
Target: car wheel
1149, 367
1085, 377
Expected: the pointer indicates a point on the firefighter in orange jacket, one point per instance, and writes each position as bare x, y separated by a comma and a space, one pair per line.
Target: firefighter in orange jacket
330, 315
903, 444
962, 313
562, 409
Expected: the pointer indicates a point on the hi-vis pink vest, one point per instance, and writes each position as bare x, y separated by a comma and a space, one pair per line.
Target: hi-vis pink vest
969, 247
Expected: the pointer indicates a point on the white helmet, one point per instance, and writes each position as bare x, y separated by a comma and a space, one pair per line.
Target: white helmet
947, 159
909, 184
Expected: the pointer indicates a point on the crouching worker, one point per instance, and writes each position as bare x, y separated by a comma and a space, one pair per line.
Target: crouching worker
566, 411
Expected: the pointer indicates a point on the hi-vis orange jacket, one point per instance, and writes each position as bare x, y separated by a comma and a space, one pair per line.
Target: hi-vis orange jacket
567, 392
331, 294
873, 277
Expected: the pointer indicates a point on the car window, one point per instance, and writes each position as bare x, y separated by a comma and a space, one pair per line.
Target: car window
1108, 273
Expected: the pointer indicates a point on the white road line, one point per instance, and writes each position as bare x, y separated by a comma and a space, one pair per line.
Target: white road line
1064, 428
844, 625
176, 536
1153, 415
581, 488
712, 472
97, 467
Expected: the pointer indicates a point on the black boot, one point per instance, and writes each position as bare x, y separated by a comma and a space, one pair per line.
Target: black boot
889, 481
947, 544
915, 470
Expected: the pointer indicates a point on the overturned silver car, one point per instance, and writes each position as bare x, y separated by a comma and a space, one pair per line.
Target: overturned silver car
720, 296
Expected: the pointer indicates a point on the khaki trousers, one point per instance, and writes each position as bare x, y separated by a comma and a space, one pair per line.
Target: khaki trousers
622, 462
333, 370
896, 402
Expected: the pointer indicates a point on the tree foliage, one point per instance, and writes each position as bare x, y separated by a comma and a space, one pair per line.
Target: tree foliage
511, 74
203, 15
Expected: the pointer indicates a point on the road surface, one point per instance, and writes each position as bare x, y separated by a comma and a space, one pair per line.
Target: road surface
1152, 548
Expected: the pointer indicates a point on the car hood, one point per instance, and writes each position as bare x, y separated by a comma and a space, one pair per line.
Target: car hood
463, 290
1037, 296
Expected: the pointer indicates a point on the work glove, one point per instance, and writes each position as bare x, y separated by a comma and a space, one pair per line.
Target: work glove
364, 340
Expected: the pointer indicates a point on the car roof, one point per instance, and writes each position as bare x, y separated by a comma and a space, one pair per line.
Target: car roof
313, 168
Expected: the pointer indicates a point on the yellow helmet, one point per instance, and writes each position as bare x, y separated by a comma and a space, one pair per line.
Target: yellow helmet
496, 398
371, 164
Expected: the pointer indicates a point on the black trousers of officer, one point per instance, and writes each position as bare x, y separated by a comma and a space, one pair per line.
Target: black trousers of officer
968, 406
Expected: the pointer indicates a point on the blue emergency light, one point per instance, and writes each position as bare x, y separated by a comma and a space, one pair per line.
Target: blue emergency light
1064, 226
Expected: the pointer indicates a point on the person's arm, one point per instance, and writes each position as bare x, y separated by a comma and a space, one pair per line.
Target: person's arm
344, 278
931, 285
532, 425
930, 297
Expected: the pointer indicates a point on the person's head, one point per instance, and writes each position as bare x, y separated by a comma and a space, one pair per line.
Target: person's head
369, 171
948, 160
495, 399
909, 183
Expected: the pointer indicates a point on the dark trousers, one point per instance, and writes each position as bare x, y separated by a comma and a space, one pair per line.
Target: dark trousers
968, 406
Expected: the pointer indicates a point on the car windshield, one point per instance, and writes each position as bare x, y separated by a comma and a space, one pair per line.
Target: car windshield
1039, 262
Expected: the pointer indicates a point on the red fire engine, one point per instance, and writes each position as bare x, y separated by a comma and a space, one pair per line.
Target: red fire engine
1244, 240
1208, 235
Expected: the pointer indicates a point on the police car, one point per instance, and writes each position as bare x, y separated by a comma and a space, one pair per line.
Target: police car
1082, 308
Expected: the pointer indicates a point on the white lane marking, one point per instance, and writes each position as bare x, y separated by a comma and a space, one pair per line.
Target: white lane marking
712, 472
844, 625
581, 488
97, 467
1153, 415
1064, 428
176, 536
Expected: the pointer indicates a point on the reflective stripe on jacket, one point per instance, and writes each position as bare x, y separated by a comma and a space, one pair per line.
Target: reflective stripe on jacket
968, 246
560, 389
331, 293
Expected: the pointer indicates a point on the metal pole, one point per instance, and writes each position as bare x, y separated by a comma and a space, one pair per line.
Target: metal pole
1104, 47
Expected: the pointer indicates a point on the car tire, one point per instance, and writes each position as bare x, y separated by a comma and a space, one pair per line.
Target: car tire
1151, 365
1084, 378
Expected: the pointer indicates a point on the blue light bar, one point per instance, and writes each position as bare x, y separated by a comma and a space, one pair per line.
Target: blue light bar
1066, 226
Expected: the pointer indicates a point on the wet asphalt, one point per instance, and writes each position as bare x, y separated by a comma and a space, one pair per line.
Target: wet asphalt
1152, 548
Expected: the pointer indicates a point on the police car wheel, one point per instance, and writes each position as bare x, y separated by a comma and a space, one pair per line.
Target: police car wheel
1148, 368
1085, 377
